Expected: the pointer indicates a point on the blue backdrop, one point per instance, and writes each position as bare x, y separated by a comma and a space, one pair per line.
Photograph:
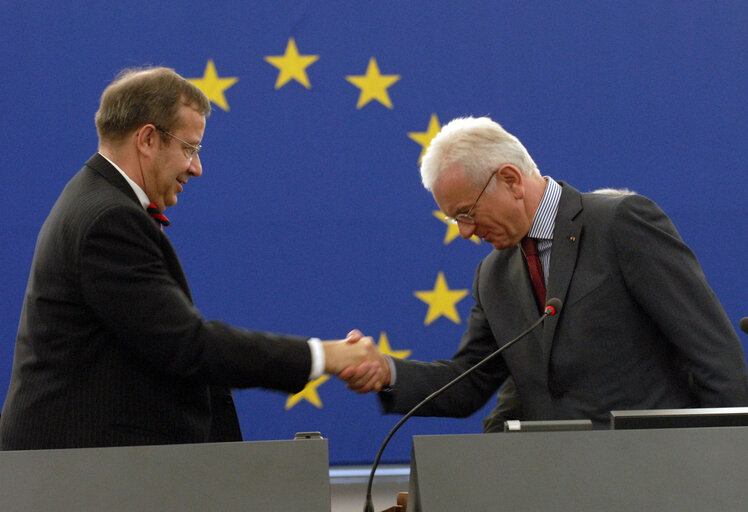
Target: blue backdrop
310, 217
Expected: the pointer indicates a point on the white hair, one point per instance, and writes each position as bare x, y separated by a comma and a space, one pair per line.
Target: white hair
479, 145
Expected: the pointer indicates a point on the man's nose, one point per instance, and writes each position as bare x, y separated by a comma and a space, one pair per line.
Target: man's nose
466, 229
196, 167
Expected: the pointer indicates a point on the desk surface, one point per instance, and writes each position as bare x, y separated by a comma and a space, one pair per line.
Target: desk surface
267, 476
601, 470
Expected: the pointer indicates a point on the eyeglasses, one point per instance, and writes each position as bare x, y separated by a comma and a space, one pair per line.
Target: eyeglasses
193, 149
467, 218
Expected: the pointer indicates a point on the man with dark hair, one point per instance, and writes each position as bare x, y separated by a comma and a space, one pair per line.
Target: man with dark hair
110, 348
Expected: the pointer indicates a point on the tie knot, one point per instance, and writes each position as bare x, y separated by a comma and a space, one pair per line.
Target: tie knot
529, 246
159, 217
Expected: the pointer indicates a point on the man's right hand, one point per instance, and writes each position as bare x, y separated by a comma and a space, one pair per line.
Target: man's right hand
357, 361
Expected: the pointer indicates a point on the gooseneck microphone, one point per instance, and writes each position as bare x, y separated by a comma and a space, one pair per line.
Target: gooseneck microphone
553, 306
744, 324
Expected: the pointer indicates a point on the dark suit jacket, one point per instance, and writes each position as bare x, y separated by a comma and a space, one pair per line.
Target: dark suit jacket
640, 327
110, 348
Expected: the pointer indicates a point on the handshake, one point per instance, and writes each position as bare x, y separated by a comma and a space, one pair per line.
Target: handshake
357, 361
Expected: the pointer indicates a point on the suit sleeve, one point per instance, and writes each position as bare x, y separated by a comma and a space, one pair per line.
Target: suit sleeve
665, 278
508, 407
416, 379
126, 281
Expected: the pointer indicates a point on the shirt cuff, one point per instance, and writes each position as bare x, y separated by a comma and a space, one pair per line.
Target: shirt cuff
393, 373
318, 358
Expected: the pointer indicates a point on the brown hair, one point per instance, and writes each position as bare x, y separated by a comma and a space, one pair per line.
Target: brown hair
146, 95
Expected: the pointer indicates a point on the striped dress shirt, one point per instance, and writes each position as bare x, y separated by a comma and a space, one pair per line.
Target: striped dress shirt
544, 222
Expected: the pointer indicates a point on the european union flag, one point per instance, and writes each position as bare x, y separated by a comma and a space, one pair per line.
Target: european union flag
310, 217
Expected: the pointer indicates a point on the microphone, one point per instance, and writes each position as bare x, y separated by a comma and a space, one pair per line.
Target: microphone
552, 307
744, 324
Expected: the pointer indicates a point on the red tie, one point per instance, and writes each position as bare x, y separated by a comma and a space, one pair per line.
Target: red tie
536, 270
159, 217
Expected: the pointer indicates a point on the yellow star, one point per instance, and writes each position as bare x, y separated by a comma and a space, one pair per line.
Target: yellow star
441, 300
292, 65
384, 348
424, 138
212, 86
453, 230
373, 85
309, 393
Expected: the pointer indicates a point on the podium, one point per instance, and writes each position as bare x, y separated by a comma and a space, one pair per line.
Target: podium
225, 477
674, 469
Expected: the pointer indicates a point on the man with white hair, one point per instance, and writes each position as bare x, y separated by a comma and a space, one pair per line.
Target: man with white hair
640, 327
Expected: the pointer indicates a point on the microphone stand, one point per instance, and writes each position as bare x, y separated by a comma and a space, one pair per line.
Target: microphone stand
554, 305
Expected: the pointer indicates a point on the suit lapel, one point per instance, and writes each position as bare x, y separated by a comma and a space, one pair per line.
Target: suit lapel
101, 165
174, 264
510, 290
564, 251
521, 283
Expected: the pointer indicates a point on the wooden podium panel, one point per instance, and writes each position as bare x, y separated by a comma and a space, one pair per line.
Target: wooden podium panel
262, 476
694, 469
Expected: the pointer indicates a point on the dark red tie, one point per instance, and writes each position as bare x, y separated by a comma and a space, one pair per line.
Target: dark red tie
159, 217
536, 270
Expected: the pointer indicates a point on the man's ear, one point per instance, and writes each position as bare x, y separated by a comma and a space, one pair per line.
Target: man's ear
514, 179
146, 139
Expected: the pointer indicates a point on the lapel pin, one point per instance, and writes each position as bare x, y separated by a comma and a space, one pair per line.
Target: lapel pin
573, 238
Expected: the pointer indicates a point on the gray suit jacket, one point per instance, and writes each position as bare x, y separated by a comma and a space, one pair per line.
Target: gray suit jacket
110, 348
640, 327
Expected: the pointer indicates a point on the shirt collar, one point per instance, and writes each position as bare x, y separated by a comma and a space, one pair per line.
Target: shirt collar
142, 197
545, 216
